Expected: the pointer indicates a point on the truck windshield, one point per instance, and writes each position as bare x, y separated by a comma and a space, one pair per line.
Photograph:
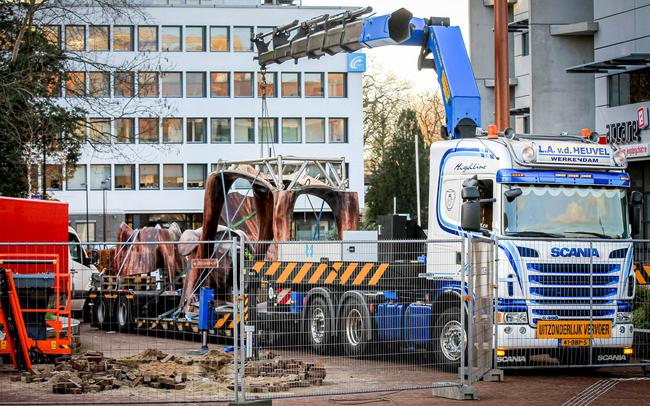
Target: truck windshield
566, 212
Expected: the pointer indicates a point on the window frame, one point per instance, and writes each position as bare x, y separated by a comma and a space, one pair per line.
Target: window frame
180, 84
85, 182
187, 176
232, 38
132, 76
131, 38
90, 130
117, 136
323, 120
84, 87
163, 130
274, 85
156, 76
187, 83
48, 176
180, 38
345, 85
85, 40
234, 130
106, 77
227, 38
158, 183
157, 39
234, 85
187, 132
212, 127
322, 84
164, 177
299, 130
108, 38
132, 166
203, 38
227, 83
157, 128
110, 177
298, 86
345, 130
276, 136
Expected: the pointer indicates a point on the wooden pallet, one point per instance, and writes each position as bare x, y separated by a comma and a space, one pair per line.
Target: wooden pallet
134, 282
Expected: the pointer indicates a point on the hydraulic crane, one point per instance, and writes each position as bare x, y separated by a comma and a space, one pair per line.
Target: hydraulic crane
441, 49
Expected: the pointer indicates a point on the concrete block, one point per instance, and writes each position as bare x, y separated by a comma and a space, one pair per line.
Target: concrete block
456, 392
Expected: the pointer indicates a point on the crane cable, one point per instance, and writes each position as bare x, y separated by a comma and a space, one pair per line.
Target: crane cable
265, 127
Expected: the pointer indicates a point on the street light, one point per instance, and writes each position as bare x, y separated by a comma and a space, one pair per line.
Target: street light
85, 186
105, 186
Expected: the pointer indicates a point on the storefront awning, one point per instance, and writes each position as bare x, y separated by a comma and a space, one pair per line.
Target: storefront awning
627, 62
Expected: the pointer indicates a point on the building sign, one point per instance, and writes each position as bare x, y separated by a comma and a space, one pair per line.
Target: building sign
636, 150
357, 62
628, 132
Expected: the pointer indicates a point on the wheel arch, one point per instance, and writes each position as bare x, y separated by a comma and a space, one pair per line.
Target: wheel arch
330, 301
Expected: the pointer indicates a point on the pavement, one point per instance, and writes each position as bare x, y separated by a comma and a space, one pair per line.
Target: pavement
568, 387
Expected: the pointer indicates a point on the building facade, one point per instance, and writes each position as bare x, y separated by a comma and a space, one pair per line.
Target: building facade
546, 37
193, 97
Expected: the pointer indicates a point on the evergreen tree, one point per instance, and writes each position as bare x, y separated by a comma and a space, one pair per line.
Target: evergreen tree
394, 175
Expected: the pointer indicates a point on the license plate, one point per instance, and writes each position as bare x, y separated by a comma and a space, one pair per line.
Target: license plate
574, 329
574, 342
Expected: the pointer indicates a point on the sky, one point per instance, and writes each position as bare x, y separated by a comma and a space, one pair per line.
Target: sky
403, 60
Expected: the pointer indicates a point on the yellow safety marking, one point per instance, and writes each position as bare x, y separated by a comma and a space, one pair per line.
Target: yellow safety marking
65, 346
378, 274
258, 266
317, 274
287, 271
364, 271
222, 321
232, 323
333, 274
348, 272
3, 345
53, 345
303, 271
272, 269
639, 277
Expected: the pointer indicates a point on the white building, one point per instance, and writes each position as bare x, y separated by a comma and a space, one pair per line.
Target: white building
207, 87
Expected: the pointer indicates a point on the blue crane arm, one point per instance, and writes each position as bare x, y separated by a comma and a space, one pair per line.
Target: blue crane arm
441, 48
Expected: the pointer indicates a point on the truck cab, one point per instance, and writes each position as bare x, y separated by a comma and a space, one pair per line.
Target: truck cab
558, 212
82, 267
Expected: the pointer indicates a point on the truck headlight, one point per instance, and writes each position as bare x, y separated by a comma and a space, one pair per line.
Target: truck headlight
512, 317
623, 317
619, 158
528, 154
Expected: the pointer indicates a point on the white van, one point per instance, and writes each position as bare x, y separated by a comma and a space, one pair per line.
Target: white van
82, 267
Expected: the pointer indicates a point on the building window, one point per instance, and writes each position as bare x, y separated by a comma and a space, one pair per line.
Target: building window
172, 176
267, 130
244, 130
76, 178
100, 130
125, 130
196, 174
54, 177
123, 38
149, 177
170, 38
85, 231
148, 130
98, 36
195, 84
628, 88
338, 128
52, 34
100, 177
220, 130
75, 84
337, 84
148, 84
195, 39
147, 38
99, 84
54, 86
172, 84
314, 86
268, 90
315, 130
291, 130
79, 130
125, 177
219, 84
241, 39
243, 84
195, 130
290, 84
75, 37
123, 84
172, 130
525, 49
219, 38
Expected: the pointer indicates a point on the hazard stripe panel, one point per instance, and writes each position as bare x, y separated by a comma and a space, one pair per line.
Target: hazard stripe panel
312, 273
642, 274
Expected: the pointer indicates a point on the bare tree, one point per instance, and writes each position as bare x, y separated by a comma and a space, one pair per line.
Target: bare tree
430, 112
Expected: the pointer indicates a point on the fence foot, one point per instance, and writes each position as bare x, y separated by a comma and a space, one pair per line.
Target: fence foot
262, 402
493, 375
645, 370
456, 392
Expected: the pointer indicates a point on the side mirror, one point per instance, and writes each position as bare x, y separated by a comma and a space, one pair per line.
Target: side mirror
94, 257
636, 201
512, 194
470, 210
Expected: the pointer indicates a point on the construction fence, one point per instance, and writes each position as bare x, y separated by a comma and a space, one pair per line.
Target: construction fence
264, 319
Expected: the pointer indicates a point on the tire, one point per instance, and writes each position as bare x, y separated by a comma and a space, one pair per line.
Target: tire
102, 313
123, 315
354, 328
318, 326
448, 336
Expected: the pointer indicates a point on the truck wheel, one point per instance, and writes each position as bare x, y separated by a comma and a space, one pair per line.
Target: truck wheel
317, 328
450, 339
102, 314
355, 328
123, 315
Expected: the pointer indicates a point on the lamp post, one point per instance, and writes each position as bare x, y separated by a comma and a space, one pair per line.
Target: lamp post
85, 186
105, 186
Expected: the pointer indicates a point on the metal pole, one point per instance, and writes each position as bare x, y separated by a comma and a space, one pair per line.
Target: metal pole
501, 65
235, 294
417, 179
87, 217
104, 208
394, 205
